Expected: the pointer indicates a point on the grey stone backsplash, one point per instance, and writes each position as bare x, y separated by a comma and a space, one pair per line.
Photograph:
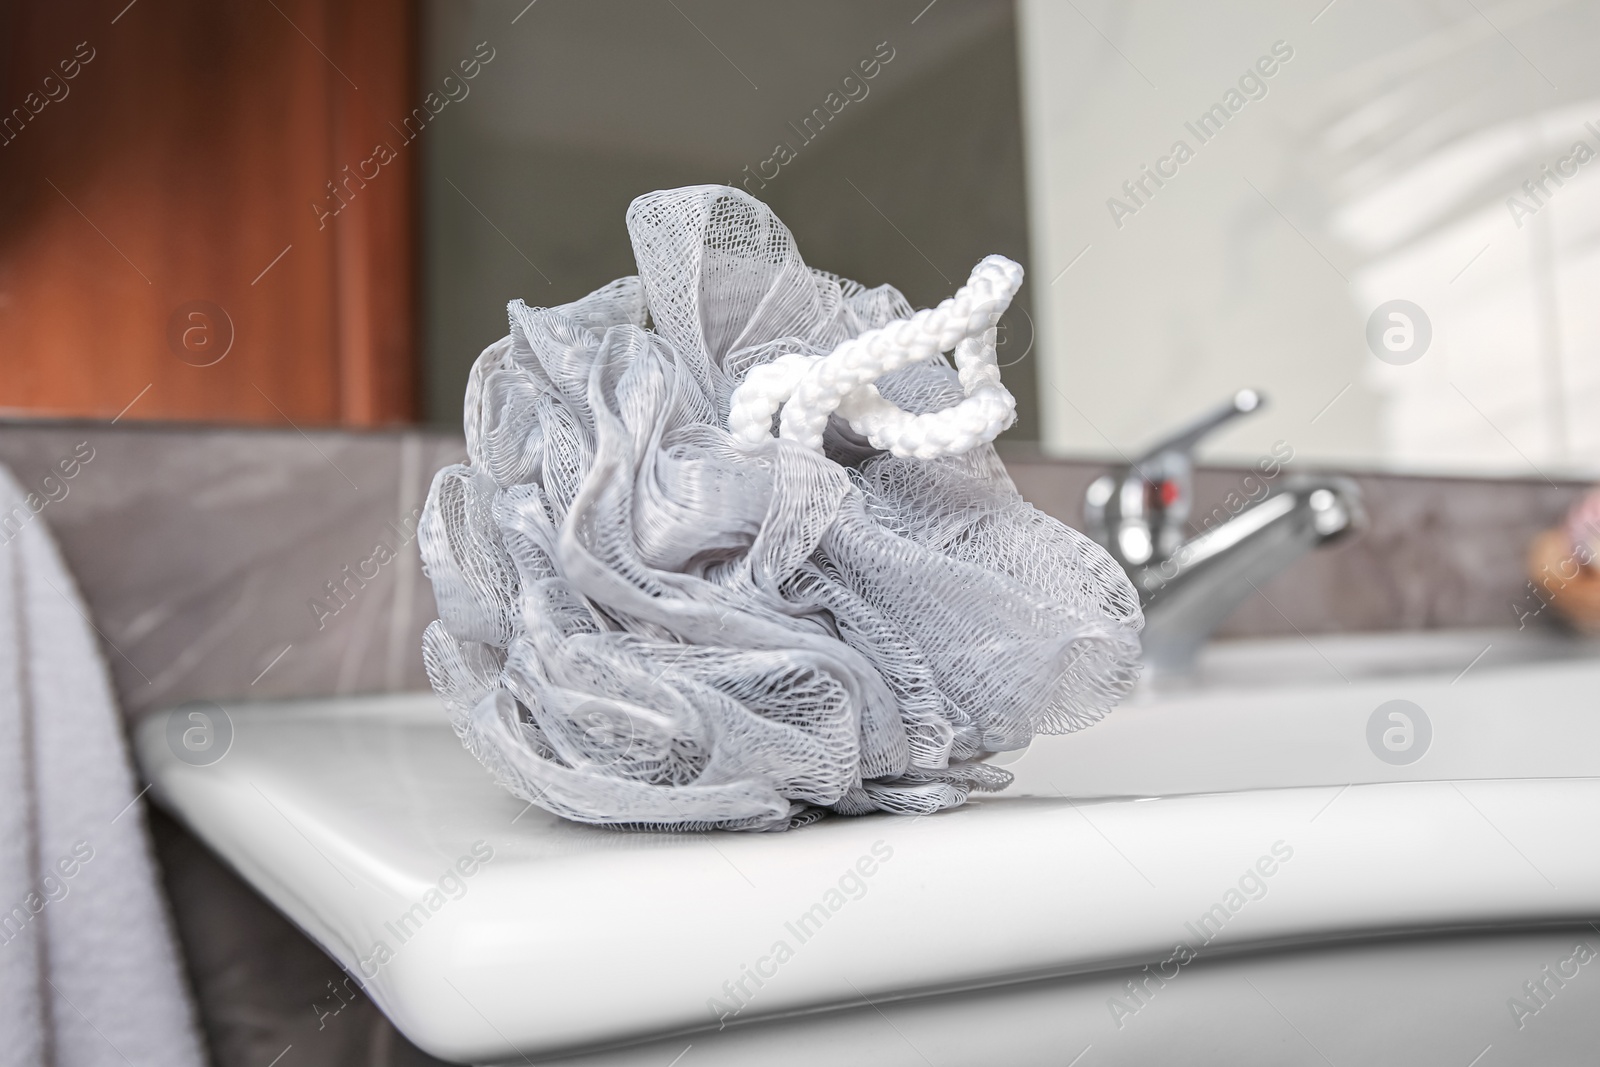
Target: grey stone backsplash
226, 563
1437, 553
204, 554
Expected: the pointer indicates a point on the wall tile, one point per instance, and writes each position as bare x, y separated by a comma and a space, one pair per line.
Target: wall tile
202, 551
1438, 553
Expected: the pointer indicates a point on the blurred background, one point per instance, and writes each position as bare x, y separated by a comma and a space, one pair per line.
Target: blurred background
312, 212
268, 238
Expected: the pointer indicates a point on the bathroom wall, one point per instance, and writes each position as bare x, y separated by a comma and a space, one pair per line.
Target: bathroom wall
1438, 553
588, 105
207, 555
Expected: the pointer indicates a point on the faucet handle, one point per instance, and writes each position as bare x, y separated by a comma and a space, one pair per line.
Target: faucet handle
1139, 513
1241, 403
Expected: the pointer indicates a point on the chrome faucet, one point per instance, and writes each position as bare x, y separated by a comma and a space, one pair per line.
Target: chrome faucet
1189, 584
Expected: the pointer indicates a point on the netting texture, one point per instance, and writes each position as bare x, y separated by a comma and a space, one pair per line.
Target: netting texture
646, 623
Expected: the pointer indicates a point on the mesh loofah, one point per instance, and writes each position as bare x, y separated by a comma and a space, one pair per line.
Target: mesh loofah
647, 620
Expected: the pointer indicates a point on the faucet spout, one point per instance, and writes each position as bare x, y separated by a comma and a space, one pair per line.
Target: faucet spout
1188, 587
1187, 595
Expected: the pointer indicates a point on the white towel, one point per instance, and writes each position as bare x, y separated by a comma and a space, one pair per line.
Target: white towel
89, 971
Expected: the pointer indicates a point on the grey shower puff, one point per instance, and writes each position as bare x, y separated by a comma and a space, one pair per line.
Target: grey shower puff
644, 624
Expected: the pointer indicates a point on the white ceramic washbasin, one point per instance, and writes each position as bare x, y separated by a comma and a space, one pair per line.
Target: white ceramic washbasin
492, 932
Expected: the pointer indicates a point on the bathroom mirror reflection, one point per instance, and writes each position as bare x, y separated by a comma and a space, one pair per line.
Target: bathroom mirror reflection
1207, 197
1380, 216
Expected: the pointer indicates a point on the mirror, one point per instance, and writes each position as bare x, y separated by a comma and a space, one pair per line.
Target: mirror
886, 136
1382, 216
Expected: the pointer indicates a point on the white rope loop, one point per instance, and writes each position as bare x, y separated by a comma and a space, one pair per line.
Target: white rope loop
809, 389
762, 393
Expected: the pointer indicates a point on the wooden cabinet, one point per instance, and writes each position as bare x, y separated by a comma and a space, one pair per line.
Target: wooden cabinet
193, 224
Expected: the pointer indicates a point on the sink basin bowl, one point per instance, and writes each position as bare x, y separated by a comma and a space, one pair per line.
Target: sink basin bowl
1251, 825
1290, 713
